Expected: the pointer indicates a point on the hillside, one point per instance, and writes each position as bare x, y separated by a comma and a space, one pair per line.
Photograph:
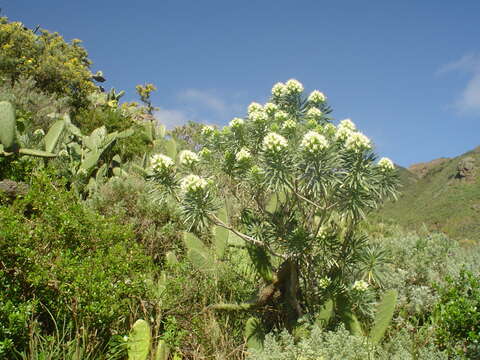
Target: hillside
444, 194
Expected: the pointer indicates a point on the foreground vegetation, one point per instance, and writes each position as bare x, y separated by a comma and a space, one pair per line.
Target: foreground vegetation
120, 240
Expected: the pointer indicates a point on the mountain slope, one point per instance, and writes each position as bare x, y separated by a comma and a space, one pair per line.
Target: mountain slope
444, 194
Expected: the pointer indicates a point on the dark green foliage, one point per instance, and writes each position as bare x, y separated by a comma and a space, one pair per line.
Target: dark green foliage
457, 316
61, 260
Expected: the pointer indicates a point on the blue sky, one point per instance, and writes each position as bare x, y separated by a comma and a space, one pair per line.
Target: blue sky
406, 72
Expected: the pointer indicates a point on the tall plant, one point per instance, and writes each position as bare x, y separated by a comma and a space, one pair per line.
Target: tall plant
296, 188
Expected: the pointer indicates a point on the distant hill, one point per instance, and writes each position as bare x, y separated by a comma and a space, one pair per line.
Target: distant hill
443, 194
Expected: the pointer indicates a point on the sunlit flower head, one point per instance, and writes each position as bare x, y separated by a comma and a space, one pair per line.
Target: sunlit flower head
204, 153
270, 108
358, 142
279, 89
193, 183
347, 124
313, 142
253, 107
360, 285
63, 153
281, 116
324, 282
294, 86
289, 125
207, 130
316, 97
161, 162
258, 116
188, 158
236, 123
329, 129
274, 142
386, 164
243, 155
314, 113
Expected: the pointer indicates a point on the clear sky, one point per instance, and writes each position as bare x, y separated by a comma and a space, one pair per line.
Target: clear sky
406, 72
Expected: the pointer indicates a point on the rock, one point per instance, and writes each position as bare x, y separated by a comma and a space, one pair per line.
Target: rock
13, 189
465, 168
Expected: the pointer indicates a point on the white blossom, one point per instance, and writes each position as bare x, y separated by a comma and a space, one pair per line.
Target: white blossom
324, 282
386, 164
316, 97
207, 130
254, 107
289, 124
278, 89
236, 123
188, 158
314, 113
281, 116
161, 162
347, 124
357, 142
270, 108
63, 153
294, 86
243, 155
205, 152
360, 285
274, 142
313, 142
192, 183
258, 116
329, 129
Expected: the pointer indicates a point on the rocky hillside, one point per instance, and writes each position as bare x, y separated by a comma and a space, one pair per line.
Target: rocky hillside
443, 194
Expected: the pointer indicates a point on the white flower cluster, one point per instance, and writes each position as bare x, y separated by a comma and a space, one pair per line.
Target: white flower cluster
313, 142
270, 108
358, 142
281, 116
254, 107
289, 125
345, 129
360, 285
314, 113
205, 152
324, 282
192, 183
188, 158
293, 87
243, 155
274, 142
329, 129
207, 130
386, 164
316, 97
278, 89
258, 116
236, 123
160, 162
39, 132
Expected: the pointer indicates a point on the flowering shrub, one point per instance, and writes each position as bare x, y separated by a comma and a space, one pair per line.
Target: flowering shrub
300, 187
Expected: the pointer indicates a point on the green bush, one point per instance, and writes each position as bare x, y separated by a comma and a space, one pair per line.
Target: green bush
60, 260
457, 315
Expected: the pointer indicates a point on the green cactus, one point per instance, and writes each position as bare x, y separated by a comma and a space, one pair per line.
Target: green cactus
162, 351
8, 135
8, 131
139, 341
199, 254
384, 316
254, 334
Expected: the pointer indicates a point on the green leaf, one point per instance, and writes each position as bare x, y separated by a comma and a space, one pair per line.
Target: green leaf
139, 341
325, 314
37, 153
53, 135
162, 351
254, 334
348, 317
199, 254
384, 316
8, 130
